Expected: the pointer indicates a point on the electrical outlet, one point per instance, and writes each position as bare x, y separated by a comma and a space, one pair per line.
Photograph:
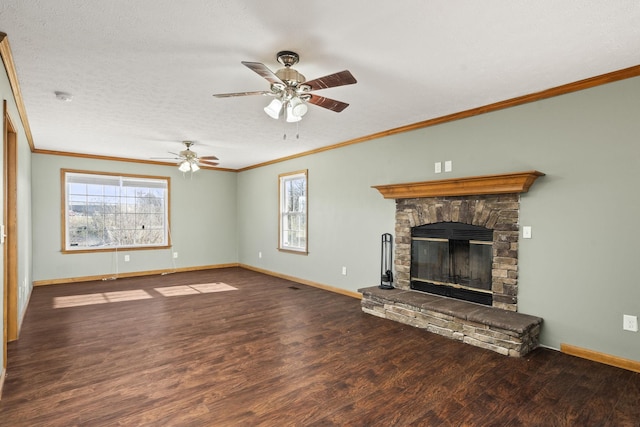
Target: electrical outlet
438, 167
175, 255
448, 166
630, 323
127, 258
259, 254
344, 271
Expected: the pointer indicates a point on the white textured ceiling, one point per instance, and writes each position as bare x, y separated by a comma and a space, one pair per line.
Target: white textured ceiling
142, 73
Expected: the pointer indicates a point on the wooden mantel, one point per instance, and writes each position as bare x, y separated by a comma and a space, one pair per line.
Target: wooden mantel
517, 182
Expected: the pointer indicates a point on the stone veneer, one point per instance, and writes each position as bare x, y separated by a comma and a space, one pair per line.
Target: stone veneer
496, 212
505, 332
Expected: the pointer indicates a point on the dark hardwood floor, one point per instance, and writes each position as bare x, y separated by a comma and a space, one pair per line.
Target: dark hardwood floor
277, 353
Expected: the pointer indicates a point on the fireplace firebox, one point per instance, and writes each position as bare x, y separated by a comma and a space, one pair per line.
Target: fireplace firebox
452, 259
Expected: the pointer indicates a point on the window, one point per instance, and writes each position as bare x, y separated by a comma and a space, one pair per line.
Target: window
105, 212
293, 211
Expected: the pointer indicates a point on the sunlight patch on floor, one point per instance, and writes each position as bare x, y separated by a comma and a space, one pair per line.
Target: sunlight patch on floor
79, 300
172, 291
138, 294
203, 288
206, 288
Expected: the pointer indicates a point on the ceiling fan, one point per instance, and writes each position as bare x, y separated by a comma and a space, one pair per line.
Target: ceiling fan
189, 161
290, 89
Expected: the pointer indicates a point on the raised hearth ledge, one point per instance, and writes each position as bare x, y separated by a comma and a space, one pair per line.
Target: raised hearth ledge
517, 182
505, 332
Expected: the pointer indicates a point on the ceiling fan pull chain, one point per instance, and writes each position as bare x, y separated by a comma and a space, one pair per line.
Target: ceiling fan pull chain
297, 130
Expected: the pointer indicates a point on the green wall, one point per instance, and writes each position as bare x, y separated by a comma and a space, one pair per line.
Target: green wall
203, 221
579, 271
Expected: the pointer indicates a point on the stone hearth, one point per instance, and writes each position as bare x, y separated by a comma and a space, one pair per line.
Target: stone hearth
505, 332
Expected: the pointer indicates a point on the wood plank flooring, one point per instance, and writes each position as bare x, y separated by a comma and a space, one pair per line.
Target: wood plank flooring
277, 353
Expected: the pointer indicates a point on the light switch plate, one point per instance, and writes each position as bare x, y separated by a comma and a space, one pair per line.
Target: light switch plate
526, 231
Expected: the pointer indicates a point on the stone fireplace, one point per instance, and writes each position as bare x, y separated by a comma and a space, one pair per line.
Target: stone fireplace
457, 240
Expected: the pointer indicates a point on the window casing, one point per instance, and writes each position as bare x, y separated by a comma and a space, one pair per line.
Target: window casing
293, 212
104, 211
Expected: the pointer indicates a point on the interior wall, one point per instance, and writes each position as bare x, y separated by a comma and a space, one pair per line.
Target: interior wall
24, 227
579, 269
203, 221
24, 240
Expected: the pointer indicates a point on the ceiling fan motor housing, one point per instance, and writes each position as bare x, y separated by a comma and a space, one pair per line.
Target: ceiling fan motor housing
287, 74
290, 76
188, 154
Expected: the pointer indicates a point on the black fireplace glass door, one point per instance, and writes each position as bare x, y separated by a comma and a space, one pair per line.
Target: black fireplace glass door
453, 260
443, 261
430, 259
480, 256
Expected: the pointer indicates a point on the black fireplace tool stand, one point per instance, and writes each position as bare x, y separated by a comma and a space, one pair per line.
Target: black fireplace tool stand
386, 254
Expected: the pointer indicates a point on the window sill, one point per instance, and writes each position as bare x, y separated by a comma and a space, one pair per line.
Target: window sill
294, 251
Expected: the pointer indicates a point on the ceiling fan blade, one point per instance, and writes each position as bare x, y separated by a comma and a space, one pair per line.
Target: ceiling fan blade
228, 95
263, 71
328, 103
332, 80
208, 158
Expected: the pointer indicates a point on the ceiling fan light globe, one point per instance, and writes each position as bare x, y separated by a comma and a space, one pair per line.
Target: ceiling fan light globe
298, 108
184, 166
291, 117
273, 109
194, 167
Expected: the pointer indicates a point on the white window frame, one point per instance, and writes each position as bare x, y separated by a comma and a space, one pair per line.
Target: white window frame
131, 211
293, 224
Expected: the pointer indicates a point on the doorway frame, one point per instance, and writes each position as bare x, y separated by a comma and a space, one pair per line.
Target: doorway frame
10, 246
